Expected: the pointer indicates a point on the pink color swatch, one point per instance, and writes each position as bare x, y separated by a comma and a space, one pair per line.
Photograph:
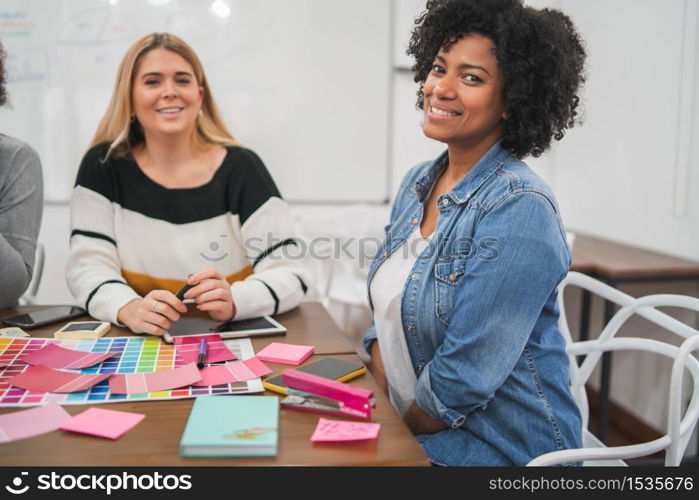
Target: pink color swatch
342, 430
288, 354
195, 339
44, 379
32, 422
55, 356
238, 371
138, 383
217, 351
111, 424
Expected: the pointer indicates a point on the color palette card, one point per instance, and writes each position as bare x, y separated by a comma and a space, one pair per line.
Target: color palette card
288, 354
111, 424
238, 371
216, 352
139, 383
44, 379
343, 430
32, 422
55, 356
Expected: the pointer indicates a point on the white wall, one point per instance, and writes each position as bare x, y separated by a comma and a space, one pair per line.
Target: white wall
303, 106
631, 172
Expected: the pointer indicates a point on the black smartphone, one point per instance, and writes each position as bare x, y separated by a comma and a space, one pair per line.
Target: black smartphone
331, 368
45, 316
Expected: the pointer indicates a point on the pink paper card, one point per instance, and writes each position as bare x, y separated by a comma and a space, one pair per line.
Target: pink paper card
288, 354
44, 379
138, 383
111, 424
238, 371
216, 352
195, 339
32, 422
55, 356
343, 430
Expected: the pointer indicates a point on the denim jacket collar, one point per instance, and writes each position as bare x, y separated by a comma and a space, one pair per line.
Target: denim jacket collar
469, 184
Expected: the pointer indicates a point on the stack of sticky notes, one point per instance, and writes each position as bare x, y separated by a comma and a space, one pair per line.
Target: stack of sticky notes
342, 430
287, 354
110, 424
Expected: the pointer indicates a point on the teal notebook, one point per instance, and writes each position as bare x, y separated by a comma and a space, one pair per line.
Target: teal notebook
231, 426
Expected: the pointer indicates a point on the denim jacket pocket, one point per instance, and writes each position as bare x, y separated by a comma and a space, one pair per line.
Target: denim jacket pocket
447, 272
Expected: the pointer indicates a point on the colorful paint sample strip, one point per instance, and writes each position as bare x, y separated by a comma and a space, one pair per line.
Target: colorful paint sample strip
55, 356
45, 379
238, 371
217, 351
32, 422
140, 383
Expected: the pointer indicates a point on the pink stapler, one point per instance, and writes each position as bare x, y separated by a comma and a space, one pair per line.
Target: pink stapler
316, 394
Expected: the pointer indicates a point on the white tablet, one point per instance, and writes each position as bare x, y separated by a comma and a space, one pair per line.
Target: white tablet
196, 326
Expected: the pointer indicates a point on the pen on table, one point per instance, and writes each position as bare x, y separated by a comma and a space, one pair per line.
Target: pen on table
203, 347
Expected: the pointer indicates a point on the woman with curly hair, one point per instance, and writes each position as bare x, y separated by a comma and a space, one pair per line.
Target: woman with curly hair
21, 206
465, 336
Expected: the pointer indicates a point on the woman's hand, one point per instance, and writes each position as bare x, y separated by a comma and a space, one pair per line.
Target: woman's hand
212, 293
152, 314
420, 422
376, 367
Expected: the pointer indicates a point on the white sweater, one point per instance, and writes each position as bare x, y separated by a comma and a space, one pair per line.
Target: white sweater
130, 235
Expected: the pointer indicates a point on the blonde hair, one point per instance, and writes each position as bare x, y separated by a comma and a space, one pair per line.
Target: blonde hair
122, 133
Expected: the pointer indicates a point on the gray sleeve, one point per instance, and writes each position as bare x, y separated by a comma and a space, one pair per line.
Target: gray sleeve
21, 205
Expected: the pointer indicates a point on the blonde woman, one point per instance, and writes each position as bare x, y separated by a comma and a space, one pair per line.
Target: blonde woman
165, 196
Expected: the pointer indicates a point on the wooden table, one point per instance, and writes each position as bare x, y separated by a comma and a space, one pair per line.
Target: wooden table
617, 264
155, 441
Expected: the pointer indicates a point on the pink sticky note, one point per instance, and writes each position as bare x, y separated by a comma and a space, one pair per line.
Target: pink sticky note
343, 430
216, 352
44, 379
288, 354
32, 422
238, 371
137, 383
55, 356
111, 424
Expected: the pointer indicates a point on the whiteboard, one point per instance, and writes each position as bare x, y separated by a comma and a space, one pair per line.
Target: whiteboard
304, 83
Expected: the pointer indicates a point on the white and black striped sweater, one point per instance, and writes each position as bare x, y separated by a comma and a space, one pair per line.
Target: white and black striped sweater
130, 235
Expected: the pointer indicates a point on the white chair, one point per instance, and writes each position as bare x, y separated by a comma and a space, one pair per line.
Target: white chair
679, 427
29, 296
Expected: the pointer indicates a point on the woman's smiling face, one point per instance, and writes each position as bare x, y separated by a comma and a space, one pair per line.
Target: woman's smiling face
166, 96
463, 92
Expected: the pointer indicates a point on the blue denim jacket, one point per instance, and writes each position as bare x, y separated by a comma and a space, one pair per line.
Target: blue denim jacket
480, 316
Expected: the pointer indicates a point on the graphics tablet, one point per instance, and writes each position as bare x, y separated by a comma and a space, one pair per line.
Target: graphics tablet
189, 326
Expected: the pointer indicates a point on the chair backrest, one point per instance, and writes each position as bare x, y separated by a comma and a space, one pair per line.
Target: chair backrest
29, 295
680, 426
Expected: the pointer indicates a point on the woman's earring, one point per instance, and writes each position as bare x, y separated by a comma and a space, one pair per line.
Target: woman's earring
505, 116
